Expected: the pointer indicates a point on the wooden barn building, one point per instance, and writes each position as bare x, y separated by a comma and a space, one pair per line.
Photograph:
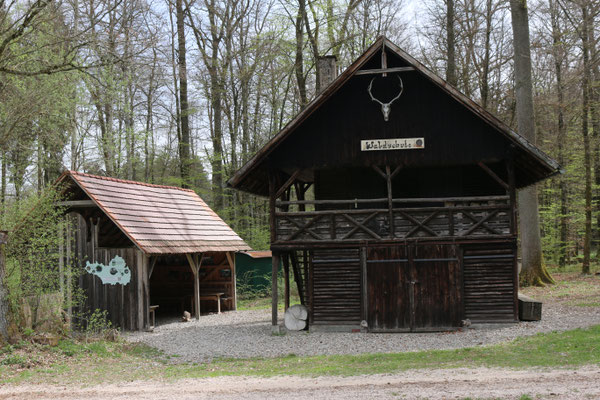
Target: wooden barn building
410, 220
142, 246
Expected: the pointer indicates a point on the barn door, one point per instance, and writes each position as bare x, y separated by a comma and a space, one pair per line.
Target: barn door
388, 300
413, 288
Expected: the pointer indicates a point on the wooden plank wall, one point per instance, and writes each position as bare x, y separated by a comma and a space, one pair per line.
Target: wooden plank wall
336, 290
127, 305
489, 282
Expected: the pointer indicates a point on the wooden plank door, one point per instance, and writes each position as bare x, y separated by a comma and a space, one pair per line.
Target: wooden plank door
437, 288
413, 288
388, 301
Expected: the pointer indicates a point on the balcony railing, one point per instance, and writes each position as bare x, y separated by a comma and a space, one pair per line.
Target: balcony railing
374, 220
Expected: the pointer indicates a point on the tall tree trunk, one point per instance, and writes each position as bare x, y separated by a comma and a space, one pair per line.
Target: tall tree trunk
587, 158
485, 75
533, 270
594, 93
558, 54
3, 292
184, 142
450, 44
299, 61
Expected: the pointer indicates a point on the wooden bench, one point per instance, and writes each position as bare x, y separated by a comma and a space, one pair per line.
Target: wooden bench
152, 316
213, 296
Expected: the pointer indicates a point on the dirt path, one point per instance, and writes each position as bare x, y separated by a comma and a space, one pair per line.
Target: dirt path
481, 383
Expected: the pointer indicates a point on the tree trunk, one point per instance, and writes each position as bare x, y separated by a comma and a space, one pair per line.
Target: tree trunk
3, 291
184, 142
533, 270
558, 54
450, 43
587, 158
299, 61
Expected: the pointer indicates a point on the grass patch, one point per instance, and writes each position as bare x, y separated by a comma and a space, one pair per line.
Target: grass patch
98, 362
571, 288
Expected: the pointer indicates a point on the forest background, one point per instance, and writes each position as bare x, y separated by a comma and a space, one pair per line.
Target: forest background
184, 92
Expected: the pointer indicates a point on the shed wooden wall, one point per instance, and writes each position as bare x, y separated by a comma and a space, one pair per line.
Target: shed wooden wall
127, 305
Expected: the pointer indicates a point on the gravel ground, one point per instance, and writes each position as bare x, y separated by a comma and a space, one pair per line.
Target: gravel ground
243, 334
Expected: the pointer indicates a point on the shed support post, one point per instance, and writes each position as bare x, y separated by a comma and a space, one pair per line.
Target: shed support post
512, 194
195, 266
275, 267
231, 259
286, 274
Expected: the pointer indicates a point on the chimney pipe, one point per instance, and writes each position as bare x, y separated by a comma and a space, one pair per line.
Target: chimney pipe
328, 70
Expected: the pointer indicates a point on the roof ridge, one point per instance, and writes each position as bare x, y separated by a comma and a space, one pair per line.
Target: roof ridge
108, 178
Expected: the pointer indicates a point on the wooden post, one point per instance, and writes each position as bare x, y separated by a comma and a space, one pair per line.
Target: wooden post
272, 199
274, 269
363, 289
512, 193
388, 177
196, 272
231, 259
286, 280
140, 289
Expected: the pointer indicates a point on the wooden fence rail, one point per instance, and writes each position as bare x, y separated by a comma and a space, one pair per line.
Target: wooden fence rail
447, 217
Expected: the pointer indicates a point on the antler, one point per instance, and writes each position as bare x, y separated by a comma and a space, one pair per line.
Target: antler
386, 107
371, 94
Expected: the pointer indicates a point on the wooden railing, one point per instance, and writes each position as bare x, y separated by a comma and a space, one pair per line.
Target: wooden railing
366, 219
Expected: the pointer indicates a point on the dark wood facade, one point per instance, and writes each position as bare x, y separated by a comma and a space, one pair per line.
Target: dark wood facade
396, 240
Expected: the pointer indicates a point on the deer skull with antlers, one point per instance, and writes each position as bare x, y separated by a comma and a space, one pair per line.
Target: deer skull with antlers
386, 107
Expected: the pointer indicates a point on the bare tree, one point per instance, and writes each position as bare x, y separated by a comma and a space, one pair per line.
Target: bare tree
533, 271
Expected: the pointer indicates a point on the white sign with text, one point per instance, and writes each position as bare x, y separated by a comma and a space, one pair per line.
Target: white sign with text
392, 144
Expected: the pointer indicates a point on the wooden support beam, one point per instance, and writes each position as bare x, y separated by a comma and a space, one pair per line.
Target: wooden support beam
512, 193
380, 171
364, 295
287, 184
195, 266
302, 228
153, 260
77, 203
297, 276
231, 258
493, 175
361, 226
274, 270
383, 70
286, 281
272, 200
388, 176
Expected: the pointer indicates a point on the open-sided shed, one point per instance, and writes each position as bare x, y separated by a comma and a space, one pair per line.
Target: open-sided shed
146, 245
413, 223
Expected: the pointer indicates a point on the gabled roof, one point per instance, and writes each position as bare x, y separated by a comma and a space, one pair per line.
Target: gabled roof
159, 219
531, 159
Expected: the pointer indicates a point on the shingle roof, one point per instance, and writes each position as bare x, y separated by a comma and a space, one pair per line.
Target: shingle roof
159, 219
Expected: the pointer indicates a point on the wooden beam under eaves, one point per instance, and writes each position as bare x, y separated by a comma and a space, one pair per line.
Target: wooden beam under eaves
77, 203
